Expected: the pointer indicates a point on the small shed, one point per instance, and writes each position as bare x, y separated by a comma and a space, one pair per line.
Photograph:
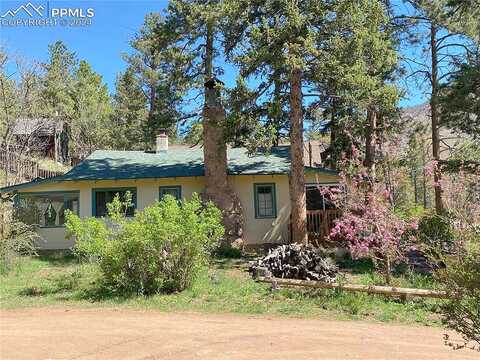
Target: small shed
44, 137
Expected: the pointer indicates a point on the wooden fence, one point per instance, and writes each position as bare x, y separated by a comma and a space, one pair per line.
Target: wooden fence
23, 168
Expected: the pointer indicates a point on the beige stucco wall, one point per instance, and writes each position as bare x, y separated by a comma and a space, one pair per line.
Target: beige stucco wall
256, 231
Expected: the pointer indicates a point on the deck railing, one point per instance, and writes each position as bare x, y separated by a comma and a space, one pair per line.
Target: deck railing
319, 224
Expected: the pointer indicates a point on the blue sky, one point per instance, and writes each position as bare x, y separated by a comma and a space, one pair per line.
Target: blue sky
101, 43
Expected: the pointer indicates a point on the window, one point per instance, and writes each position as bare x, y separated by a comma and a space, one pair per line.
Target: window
319, 196
102, 197
46, 209
265, 201
175, 191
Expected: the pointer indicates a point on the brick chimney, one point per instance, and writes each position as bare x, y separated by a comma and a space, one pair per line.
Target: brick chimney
162, 142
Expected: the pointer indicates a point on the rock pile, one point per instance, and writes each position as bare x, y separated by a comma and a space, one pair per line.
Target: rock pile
295, 261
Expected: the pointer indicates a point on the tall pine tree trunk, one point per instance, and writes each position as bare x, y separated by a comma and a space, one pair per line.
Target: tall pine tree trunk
278, 109
152, 101
434, 114
215, 153
152, 106
332, 149
297, 170
370, 140
415, 185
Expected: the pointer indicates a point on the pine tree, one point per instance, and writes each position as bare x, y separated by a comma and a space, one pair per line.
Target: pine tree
158, 64
91, 109
359, 74
146, 59
198, 26
280, 42
443, 44
130, 112
460, 96
460, 100
58, 81
314, 47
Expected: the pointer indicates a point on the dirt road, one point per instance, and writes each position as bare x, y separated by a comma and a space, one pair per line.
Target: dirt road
61, 333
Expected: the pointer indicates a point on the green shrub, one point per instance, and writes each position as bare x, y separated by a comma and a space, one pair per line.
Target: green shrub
435, 234
160, 249
461, 278
228, 252
16, 238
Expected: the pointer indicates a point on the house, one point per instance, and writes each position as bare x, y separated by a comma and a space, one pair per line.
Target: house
260, 181
44, 137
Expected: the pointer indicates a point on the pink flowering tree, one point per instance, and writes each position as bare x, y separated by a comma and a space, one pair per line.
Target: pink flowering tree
369, 227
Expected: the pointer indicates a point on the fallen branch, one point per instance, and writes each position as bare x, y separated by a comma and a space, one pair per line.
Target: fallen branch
371, 289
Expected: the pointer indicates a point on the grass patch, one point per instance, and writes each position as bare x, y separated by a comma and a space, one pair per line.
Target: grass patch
363, 272
223, 288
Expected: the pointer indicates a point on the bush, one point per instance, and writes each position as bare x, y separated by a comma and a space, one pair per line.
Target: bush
228, 252
16, 238
435, 234
461, 278
160, 249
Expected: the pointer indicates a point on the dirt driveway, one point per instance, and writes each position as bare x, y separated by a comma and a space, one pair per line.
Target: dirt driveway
62, 333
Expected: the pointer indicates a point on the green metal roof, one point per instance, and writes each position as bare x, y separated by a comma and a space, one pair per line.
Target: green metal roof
176, 162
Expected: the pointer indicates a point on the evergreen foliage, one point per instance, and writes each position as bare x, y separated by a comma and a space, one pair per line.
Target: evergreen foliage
130, 113
90, 118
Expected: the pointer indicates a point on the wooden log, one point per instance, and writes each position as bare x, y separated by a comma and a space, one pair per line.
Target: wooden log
371, 289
